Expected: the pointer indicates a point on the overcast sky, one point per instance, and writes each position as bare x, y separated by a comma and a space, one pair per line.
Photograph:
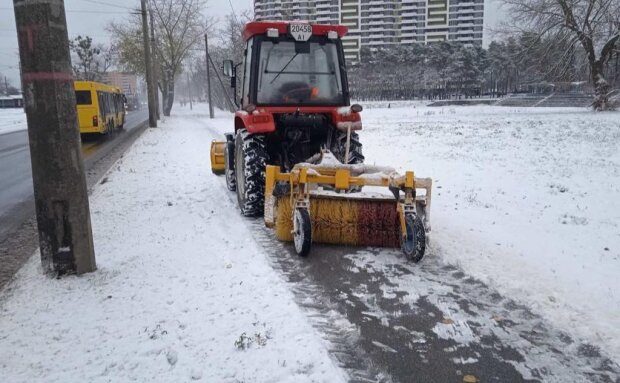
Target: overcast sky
89, 17
86, 17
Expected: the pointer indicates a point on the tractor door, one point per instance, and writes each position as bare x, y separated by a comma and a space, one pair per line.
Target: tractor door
247, 70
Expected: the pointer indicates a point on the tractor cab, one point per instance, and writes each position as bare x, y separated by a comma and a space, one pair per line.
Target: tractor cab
294, 106
292, 64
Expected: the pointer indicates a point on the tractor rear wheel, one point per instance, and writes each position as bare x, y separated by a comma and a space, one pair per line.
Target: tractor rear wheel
339, 147
229, 165
250, 161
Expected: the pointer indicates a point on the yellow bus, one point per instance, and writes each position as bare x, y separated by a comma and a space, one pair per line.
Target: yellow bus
100, 107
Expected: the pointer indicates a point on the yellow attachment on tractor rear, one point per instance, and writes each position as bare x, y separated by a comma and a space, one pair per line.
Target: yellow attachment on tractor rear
337, 216
217, 157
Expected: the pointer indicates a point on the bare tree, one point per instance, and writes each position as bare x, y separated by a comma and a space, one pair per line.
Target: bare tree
592, 24
225, 42
179, 26
90, 61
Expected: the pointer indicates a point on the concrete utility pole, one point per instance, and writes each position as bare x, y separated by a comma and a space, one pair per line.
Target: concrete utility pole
148, 66
155, 64
61, 197
208, 77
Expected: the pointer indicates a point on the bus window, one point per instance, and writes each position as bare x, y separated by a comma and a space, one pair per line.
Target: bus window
103, 104
82, 97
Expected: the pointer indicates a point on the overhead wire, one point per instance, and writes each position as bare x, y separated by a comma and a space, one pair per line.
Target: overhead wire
233, 11
77, 11
109, 4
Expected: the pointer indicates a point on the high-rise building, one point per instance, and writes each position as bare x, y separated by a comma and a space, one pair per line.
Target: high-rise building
377, 23
126, 81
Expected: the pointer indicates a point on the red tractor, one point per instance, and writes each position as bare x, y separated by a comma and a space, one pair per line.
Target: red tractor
294, 102
295, 155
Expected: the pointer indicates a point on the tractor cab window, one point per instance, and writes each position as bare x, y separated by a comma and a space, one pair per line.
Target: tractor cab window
293, 73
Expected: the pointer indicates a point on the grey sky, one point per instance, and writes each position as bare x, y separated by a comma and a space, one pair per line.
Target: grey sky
89, 17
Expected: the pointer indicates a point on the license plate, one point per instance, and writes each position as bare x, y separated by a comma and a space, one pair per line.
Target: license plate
300, 32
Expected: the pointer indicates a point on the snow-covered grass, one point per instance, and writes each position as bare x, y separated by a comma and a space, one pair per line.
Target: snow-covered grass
182, 292
527, 199
12, 119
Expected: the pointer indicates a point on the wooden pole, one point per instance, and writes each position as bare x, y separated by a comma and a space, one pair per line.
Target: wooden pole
60, 193
155, 69
150, 88
189, 91
211, 113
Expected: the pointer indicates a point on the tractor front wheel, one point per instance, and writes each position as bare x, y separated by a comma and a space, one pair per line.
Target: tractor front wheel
250, 161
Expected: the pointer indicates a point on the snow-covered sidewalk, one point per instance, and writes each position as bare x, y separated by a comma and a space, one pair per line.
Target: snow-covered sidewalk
182, 291
12, 120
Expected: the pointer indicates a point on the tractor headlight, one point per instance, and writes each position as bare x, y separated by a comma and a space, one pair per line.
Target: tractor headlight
273, 32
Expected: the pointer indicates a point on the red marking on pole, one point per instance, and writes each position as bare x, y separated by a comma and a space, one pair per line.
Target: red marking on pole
47, 76
27, 34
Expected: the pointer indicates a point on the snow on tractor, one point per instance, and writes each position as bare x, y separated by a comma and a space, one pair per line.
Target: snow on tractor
295, 156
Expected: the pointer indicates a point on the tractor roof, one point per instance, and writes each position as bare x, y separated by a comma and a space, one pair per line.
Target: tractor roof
260, 27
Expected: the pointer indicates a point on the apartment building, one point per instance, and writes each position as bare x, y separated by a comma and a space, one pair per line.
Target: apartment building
376, 23
126, 81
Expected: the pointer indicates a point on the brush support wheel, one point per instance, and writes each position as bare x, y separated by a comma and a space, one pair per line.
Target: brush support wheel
414, 243
302, 231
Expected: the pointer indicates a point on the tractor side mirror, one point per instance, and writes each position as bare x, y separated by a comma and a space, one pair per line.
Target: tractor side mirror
229, 68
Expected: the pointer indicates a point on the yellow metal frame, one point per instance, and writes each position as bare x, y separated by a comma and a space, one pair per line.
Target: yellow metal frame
218, 165
340, 178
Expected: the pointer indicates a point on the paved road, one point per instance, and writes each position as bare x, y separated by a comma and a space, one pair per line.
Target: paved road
16, 199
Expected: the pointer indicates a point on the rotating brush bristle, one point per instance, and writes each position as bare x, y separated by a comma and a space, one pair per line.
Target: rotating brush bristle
344, 221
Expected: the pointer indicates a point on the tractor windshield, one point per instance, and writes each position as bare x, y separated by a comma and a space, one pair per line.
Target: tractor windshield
293, 73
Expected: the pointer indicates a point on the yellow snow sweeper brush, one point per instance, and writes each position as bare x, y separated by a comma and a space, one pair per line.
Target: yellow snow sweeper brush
312, 203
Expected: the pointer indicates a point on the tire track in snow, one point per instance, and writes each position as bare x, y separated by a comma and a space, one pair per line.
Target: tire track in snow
386, 320
341, 336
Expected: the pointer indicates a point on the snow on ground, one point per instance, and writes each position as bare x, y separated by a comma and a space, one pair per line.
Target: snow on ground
182, 292
526, 199
12, 119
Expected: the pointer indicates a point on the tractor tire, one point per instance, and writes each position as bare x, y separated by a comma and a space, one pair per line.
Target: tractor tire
229, 166
302, 237
338, 147
250, 161
414, 244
